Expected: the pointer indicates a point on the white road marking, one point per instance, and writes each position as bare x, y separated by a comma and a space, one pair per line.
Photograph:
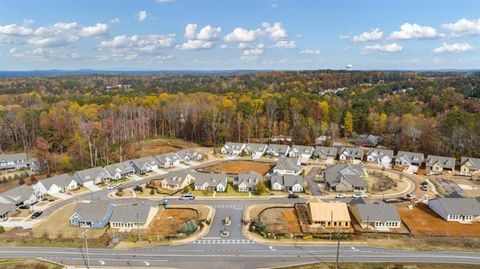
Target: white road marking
146, 263
223, 241
271, 248
101, 262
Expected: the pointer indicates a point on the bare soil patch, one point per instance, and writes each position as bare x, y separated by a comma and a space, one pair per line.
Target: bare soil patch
421, 220
237, 167
161, 145
281, 220
168, 222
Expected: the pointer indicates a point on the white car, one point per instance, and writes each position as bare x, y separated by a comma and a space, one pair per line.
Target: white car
111, 187
341, 195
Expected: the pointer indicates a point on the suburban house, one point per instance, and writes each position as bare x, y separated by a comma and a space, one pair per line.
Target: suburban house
14, 161
437, 164
145, 164
168, 160
329, 215
407, 158
189, 155
7, 210
211, 181
290, 166
347, 153
90, 176
326, 153
469, 166
346, 177
95, 214
456, 209
255, 150
177, 180
383, 157
292, 183
277, 150
376, 215
54, 185
302, 152
232, 148
118, 171
18, 196
247, 182
128, 217
369, 140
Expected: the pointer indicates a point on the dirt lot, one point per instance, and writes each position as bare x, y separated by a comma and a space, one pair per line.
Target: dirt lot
379, 266
27, 263
162, 145
423, 221
281, 220
167, 222
236, 167
463, 185
58, 225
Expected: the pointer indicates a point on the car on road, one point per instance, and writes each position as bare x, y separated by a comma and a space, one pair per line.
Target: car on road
36, 214
392, 200
187, 196
292, 195
340, 195
409, 197
424, 183
111, 187
425, 187
24, 207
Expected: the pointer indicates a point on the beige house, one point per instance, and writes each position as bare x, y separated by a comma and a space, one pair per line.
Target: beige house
128, 217
469, 166
177, 180
329, 215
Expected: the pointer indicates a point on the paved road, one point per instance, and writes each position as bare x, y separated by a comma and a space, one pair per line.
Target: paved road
231, 255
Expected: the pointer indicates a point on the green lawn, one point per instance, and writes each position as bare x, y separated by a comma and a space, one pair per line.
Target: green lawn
377, 266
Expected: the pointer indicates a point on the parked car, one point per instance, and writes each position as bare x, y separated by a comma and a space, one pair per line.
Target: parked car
392, 200
24, 207
36, 214
292, 195
424, 183
187, 196
409, 197
341, 195
425, 187
111, 187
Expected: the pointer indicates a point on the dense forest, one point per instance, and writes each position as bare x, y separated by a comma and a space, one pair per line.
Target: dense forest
91, 120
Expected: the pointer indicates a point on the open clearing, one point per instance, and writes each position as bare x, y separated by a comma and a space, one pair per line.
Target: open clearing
237, 167
27, 264
421, 220
167, 222
58, 225
378, 266
162, 145
281, 220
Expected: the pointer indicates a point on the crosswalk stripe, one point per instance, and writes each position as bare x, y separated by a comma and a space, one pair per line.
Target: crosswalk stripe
223, 241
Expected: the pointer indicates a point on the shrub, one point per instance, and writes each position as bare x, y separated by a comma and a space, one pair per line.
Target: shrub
152, 191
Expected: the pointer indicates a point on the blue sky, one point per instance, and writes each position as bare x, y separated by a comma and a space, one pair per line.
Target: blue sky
233, 34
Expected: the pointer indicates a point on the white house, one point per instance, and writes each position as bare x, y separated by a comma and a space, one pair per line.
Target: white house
54, 185
128, 217
145, 164
211, 181
292, 183
469, 166
90, 176
255, 150
436, 164
168, 160
347, 153
118, 171
13, 161
407, 158
189, 155
247, 181
277, 150
326, 153
383, 157
378, 215
304, 153
456, 209
290, 166
21, 195
232, 148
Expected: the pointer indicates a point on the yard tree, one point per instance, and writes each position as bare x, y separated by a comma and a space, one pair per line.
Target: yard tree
348, 123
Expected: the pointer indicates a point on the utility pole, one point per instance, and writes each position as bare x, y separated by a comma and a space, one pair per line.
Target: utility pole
338, 250
85, 234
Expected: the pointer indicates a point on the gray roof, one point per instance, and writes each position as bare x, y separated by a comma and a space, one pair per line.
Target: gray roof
171, 157
60, 180
369, 139
474, 161
352, 152
326, 151
122, 168
459, 206
13, 157
6, 208
18, 194
285, 163
380, 153
255, 147
140, 162
412, 157
302, 149
212, 179
286, 180
233, 146
191, 153
89, 174
377, 212
176, 177
282, 149
128, 213
93, 211
352, 173
250, 178
445, 162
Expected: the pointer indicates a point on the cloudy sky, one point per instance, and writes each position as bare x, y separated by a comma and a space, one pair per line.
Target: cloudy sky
239, 34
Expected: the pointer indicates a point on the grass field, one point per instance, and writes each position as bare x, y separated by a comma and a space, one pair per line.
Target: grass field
281, 220
377, 266
57, 225
27, 264
167, 222
421, 220
236, 167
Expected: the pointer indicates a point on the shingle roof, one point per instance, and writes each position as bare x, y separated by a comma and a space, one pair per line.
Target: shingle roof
131, 213
5, 208
190, 153
353, 173
303, 149
285, 163
122, 168
380, 153
167, 157
233, 146
60, 180
352, 152
377, 212
283, 149
326, 151
212, 179
13, 157
254, 147
444, 162
18, 194
250, 179
460, 206
412, 157
93, 211
89, 174
474, 161
140, 162
176, 177
286, 180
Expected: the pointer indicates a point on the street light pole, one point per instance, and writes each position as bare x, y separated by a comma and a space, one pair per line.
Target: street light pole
85, 234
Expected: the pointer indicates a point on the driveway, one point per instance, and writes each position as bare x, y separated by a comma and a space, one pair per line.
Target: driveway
310, 178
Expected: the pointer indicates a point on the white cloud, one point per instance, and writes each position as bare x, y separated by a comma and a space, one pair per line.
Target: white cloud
99, 29
283, 44
28, 22
251, 52
204, 39
310, 51
45, 54
115, 20
414, 31
456, 48
373, 35
142, 15
15, 30
276, 32
464, 26
388, 48
240, 34
164, 1
273, 5
147, 43
66, 25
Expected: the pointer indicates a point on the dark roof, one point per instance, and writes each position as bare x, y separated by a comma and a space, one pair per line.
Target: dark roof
285, 163
93, 211
459, 206
131, 213
377, 212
